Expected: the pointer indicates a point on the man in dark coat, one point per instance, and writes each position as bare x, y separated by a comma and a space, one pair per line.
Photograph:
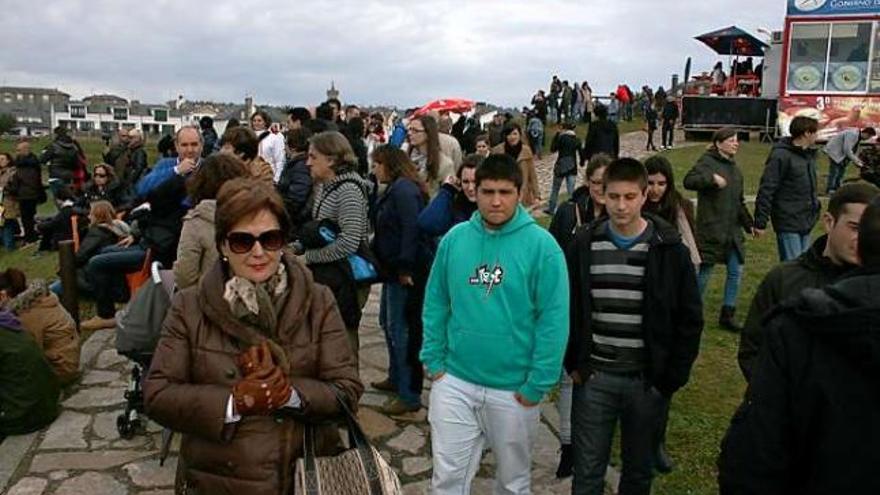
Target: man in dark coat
137, 160
602, 137
808, 423
30, 191
788, 193
830, 257
61, 155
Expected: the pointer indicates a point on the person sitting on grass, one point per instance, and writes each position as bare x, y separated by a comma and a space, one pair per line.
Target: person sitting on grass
29, 390
41, 314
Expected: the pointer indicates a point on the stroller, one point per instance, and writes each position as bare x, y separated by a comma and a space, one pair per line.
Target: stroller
138, 326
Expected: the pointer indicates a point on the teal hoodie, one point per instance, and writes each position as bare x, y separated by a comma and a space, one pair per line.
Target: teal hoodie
496, 307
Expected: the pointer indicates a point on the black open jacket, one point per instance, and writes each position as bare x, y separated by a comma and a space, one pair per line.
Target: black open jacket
672, 320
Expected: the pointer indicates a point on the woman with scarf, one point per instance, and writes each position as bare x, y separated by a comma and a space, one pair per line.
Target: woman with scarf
514, 148
250, 355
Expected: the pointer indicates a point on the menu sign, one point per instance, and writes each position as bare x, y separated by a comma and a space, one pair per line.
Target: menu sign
832, 7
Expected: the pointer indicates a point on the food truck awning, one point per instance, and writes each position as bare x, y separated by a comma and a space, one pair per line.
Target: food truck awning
733, 41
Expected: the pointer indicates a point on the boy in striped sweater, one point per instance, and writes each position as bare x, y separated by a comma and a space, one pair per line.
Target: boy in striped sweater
636, 320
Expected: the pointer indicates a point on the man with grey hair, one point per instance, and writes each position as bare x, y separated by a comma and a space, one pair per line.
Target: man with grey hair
137, 159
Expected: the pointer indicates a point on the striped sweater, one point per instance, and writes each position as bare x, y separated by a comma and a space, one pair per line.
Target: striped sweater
343, 201
617, 290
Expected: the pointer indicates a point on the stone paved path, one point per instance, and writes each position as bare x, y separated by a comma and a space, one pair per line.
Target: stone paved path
81, 452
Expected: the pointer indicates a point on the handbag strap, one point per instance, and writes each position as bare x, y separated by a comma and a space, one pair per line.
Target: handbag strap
357, 440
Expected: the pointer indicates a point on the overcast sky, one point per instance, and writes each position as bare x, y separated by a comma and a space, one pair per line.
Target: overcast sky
402, 53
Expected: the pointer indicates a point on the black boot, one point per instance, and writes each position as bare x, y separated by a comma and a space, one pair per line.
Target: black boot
662, 462
565, 462
726, 319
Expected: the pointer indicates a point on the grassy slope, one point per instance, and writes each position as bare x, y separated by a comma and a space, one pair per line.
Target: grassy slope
702, 410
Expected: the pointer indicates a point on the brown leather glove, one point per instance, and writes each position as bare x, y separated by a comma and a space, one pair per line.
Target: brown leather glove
256, 358
261, 393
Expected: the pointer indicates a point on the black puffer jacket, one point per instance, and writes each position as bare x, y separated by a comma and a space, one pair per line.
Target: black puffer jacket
565, 220
29, 179
603, 137
61, 157
787, 195
811, 270
809, 421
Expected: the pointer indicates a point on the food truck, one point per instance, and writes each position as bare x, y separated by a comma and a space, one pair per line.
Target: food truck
830, 67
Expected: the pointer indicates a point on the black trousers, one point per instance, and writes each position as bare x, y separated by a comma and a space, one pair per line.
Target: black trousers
667, 132
28, 213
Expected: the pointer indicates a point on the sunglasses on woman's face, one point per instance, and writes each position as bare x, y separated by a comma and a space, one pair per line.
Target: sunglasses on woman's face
101, 175
243, 242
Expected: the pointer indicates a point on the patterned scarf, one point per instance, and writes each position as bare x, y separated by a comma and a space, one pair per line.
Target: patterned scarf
258, 303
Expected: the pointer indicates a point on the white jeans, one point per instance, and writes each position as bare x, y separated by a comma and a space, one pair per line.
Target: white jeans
564, 408
463, 418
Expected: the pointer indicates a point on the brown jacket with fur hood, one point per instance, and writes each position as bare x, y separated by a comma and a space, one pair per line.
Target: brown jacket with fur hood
194, 369
52, 327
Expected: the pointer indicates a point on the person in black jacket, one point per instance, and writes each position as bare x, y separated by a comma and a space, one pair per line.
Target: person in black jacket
603, 136
808, 422
103, 186
402, 250
636, 321
61, 155
565, 169
29, 186
788, 194
669, 116
209, 135
830, 257
137, 160
60, 227
295, 184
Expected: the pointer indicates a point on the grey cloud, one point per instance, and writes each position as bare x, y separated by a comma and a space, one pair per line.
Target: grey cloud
393, 52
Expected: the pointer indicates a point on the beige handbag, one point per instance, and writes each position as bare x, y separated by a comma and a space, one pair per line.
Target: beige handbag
360, 470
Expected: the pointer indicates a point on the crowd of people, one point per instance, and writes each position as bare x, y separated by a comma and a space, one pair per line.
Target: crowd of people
275, 237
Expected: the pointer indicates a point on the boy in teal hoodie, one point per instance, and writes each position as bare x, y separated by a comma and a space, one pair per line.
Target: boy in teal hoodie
495, 330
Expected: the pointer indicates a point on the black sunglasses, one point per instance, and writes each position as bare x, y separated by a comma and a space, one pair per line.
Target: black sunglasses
100, 175
243, 242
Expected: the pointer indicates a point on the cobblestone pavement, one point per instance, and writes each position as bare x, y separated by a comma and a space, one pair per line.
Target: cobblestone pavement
82, 453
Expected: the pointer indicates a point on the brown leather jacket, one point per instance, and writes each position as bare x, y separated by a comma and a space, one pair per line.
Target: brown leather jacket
194, 368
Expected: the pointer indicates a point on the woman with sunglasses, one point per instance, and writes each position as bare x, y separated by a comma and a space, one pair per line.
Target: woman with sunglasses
104, 187
405, 253
197, 251
250, 355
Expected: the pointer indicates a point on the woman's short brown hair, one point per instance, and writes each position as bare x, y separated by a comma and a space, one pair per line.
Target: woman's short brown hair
335, 146
244, 142
214, 171
243, 198
102, 212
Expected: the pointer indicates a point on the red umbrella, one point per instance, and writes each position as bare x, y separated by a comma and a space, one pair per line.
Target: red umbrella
457, 105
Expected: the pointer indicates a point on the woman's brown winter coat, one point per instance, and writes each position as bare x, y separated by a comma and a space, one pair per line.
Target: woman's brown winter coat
531, 193
194, 369
262, 170
42, 315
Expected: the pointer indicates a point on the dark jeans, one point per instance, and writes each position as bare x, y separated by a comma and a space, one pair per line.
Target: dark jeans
597, 405
28, 213
10, 230
667, 131
836, 171
106, 274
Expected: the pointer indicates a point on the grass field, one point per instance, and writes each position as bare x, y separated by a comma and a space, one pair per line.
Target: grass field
702, 410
